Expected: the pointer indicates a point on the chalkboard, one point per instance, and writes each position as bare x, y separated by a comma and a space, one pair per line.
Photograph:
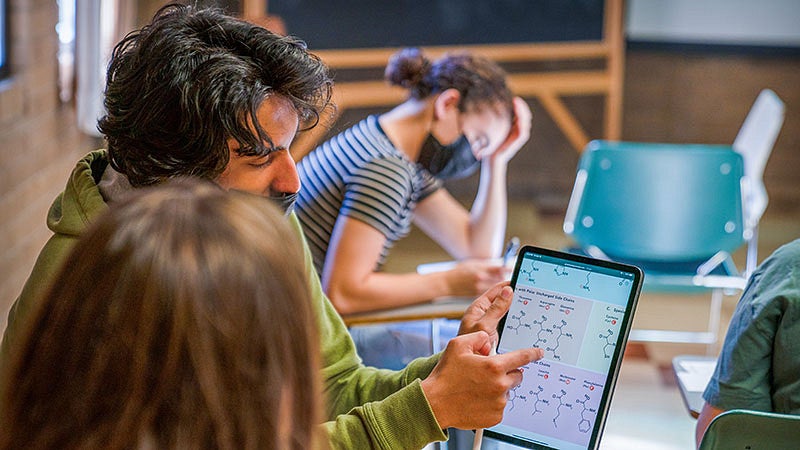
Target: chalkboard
350, 24
362, 34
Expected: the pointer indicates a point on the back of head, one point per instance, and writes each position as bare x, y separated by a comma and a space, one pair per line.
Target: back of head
178, 88
480, 81
182, 319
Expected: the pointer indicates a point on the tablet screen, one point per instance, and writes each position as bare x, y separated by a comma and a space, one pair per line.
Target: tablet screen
579, 310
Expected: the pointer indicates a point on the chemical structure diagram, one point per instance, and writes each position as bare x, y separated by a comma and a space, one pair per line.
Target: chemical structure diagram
561, 403
536, 395
528, 275
585, 424
560, 271
513, 396
608, 343
519, 323
542, 329
586, 284
561, 333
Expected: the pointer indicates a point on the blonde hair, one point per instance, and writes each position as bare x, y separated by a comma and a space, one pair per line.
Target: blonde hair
181, 319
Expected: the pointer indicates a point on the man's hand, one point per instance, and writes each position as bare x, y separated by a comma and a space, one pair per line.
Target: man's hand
468, 389
486, 311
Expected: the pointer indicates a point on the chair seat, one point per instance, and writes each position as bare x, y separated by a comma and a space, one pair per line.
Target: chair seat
674, 277
678, 277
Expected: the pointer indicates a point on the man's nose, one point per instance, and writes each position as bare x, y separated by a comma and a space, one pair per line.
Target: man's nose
286, 179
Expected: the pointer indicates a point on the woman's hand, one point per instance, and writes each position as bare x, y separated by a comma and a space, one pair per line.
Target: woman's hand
518, 135
473, 277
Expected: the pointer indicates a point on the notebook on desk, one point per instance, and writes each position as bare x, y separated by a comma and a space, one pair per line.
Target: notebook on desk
693, 373
442, 266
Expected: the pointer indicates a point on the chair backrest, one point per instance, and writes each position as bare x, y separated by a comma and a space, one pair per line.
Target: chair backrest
744, 429
759, 131
755, 141
657, 202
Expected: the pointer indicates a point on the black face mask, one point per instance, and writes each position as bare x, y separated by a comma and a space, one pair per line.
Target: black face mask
448, 162
285, 201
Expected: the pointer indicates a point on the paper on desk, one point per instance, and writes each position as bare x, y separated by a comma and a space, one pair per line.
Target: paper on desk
447, 265
695, 374
425, 269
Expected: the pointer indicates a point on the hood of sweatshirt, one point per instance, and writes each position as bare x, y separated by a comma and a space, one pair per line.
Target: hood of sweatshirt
81, 200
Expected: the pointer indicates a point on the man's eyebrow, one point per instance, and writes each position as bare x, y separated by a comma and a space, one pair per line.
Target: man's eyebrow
260, 150
270, 150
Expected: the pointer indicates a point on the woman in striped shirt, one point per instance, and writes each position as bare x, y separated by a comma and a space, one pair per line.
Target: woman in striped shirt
362, 189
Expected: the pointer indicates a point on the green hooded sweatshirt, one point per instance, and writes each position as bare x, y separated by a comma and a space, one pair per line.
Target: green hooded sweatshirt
366, 407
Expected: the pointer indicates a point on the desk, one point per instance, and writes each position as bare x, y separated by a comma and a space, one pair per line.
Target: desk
692, 373
440, 308
443, 308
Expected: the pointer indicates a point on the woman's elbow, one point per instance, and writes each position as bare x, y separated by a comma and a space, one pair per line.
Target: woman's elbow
344, 303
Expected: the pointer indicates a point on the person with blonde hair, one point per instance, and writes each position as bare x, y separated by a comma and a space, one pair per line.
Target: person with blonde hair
181, 319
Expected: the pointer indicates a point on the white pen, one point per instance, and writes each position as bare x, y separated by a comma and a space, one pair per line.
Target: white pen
511, 250
476, 443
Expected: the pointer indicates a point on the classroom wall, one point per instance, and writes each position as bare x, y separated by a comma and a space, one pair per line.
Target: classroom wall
700, 95
730, 22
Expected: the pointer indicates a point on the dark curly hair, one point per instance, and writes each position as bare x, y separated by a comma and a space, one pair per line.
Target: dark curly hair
479, 80
180, 87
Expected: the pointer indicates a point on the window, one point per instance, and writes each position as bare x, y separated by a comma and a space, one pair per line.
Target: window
65, 28
3, 38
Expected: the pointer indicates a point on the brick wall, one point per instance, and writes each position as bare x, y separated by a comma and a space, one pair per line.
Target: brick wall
704, 98
38, 142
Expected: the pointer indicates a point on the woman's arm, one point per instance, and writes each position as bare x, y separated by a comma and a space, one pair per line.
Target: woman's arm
479, 232
466, 234
352, 284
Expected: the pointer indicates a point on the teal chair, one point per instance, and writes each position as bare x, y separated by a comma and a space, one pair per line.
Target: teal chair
752, 430
674, 210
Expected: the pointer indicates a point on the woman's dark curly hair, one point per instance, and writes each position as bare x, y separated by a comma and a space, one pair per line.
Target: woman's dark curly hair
180, 87
480, 81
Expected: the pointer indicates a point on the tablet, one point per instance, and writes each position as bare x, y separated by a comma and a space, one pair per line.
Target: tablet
579, 310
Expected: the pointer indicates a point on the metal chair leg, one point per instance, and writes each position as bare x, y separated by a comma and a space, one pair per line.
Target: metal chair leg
714, 313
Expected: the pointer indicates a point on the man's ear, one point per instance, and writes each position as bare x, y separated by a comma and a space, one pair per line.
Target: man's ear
446, 103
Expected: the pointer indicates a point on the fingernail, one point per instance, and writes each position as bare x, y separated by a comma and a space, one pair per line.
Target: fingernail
506, 293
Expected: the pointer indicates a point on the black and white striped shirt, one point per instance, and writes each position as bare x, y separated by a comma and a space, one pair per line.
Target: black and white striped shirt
360, 174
